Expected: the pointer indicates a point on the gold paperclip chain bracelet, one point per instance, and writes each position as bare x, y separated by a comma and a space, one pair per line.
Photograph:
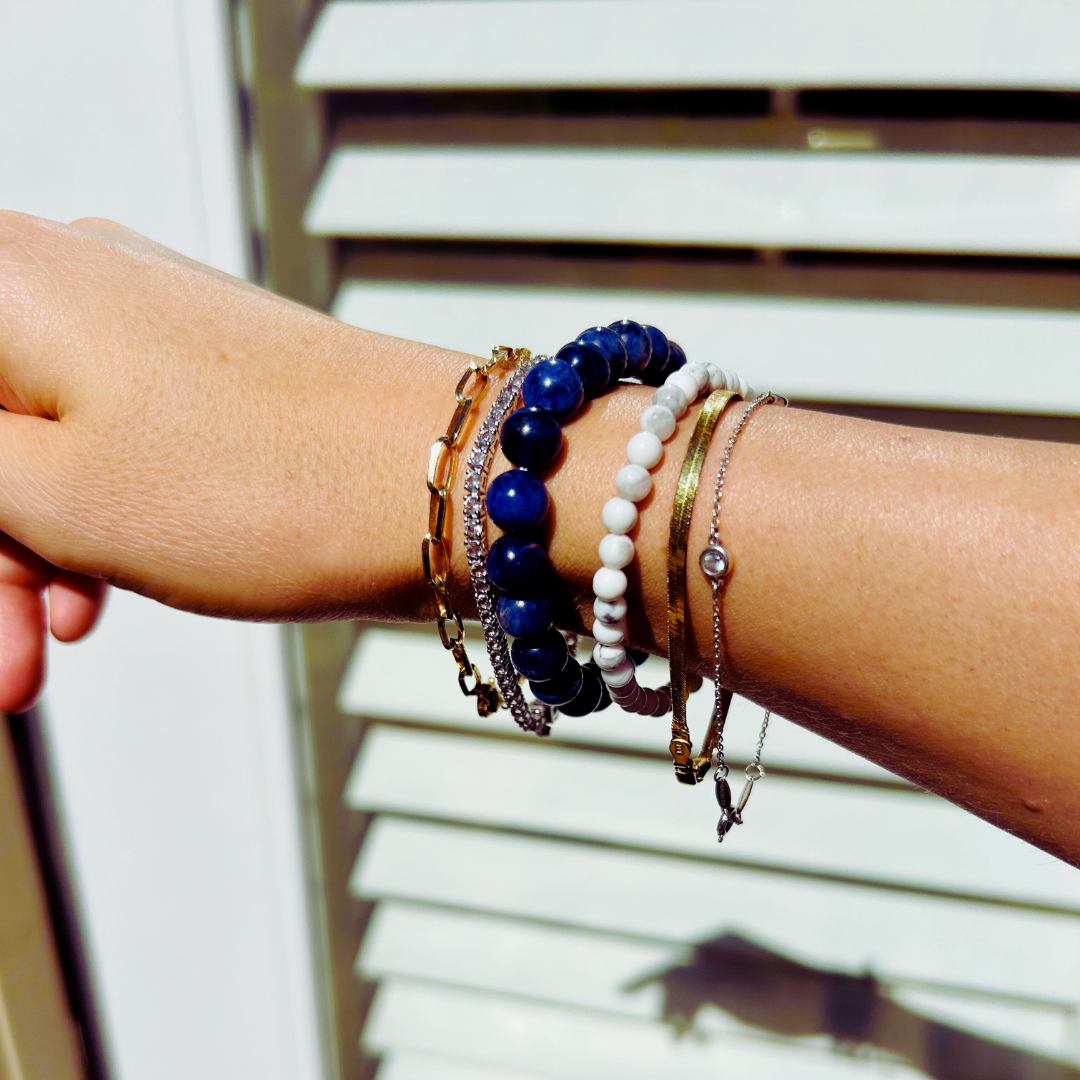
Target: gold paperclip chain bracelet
435, 550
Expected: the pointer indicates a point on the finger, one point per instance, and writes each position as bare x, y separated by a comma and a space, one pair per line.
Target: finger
75, 604
23, 577
22, 647
38, 495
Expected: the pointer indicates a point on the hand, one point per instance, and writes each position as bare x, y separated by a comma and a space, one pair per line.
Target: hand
169, 429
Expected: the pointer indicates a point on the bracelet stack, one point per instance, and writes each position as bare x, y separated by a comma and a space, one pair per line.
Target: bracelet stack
513, 580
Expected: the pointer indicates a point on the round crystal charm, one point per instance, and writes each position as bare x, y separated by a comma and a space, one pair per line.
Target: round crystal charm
715, 562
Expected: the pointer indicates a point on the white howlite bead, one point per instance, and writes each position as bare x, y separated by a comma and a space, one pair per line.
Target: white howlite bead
731, 380
744, 389
618, 676
609, 657
716, 377
609, 611
660, 420
619, 515
608, 584
685, 382
644, 449
700, 373
633, 482
609, 633
671, 397
616, 551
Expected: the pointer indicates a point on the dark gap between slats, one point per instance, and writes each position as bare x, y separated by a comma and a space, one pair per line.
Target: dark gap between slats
1029, 123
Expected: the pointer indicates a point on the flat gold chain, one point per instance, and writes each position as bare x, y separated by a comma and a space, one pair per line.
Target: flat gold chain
435, 550
688, 769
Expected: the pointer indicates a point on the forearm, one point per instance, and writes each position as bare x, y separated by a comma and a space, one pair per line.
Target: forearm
913, 595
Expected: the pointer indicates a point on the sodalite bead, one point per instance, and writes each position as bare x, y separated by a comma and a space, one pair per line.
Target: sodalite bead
518, 566
589, 695
523, 616
610, 344
660, 420
676, 359
605, 697
517, 501
653, 375
591, 365
638, 346
540, 657
531, 438
562, 688
553, 385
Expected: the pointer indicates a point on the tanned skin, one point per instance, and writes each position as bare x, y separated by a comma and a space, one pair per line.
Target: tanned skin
910, 594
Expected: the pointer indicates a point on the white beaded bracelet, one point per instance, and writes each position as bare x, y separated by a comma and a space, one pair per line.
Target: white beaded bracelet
633, 483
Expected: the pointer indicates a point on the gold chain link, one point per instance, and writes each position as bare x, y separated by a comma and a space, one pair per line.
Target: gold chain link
435, 551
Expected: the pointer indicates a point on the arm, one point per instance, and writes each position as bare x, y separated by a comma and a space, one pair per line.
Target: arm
913, 595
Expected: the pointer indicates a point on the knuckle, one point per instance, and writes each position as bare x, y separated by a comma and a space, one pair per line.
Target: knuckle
100, 226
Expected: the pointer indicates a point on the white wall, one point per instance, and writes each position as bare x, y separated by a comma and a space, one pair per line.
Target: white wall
169, 732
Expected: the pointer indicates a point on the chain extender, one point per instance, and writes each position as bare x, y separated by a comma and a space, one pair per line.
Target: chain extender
435, 551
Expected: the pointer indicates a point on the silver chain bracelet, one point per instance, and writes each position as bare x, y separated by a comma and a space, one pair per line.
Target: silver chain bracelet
715, 564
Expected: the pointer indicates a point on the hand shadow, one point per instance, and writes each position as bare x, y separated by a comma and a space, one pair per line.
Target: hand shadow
767, 990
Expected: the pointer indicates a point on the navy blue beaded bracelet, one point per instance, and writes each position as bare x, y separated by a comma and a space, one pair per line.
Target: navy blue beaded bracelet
517, 500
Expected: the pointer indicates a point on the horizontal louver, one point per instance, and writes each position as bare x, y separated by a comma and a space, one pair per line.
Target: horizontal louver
615, 43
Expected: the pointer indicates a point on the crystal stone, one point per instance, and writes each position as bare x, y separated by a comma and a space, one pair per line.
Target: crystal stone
715, 561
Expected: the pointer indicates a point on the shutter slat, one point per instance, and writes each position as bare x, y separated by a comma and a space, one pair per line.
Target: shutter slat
887, 202
894, 837
656, 43
901, 354
386, 660
594, 971
899, 936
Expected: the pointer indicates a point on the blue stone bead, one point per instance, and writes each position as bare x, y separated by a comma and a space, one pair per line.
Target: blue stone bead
652, 375
541, 657
610, 344
523, 616
591, 365
676, 359
588, 698
555, 387
531, 438
561, 689
517, 501
638, 346
518, 566
639, 656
